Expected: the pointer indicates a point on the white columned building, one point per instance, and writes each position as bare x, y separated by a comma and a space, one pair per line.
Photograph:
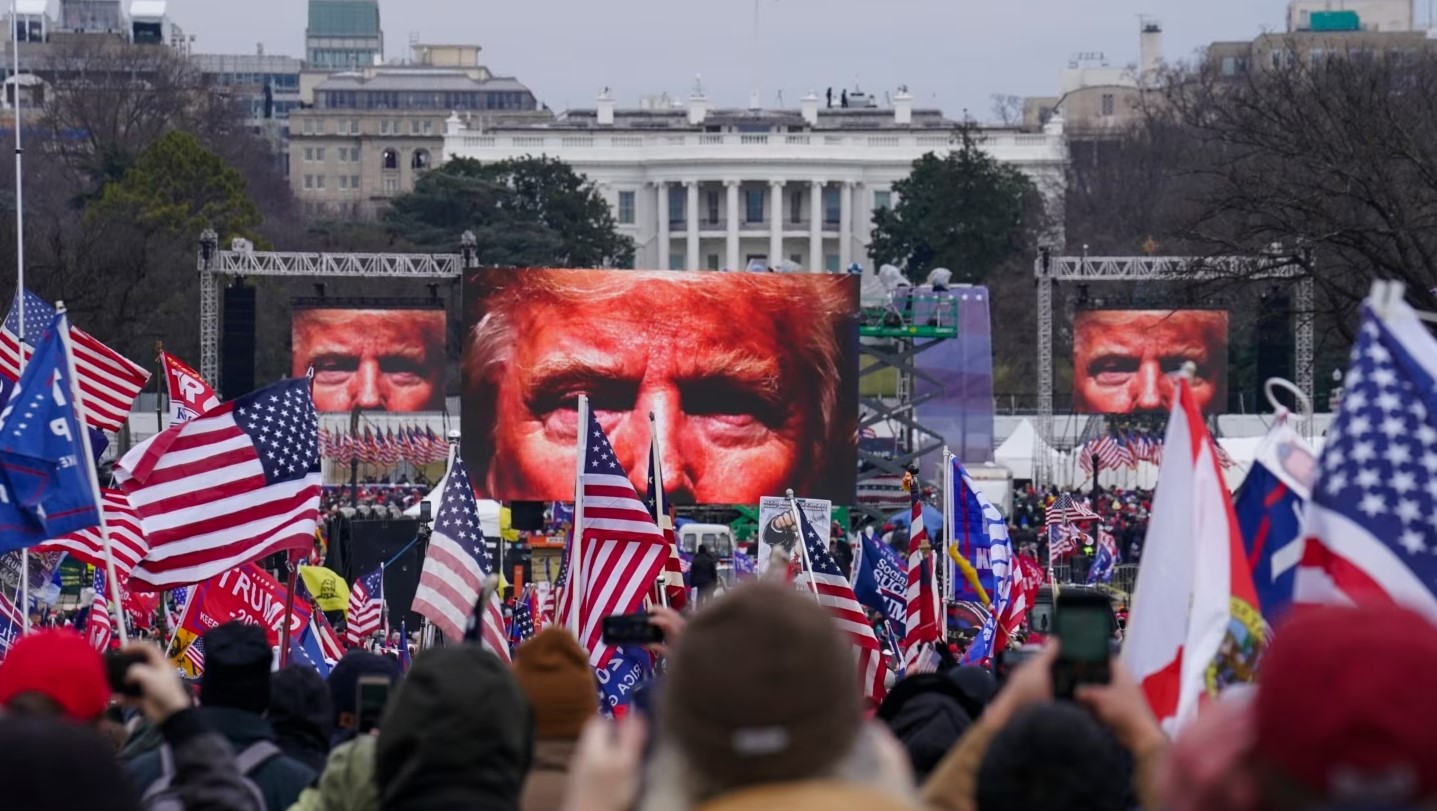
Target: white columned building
698, 187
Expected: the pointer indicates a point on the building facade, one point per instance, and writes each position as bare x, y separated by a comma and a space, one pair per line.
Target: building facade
703, 188
343, 34
371, 134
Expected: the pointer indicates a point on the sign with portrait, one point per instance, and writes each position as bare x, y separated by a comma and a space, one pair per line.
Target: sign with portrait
379, 355
1124, 361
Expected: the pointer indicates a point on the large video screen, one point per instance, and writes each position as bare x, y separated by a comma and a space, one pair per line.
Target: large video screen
751, 378
1124, 360
375, 357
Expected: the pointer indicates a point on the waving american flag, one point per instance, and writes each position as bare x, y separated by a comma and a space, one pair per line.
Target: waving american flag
366, 608
835, 594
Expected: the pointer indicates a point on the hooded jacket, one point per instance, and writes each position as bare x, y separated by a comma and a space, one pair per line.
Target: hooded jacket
301, 715
458, 736
348, 780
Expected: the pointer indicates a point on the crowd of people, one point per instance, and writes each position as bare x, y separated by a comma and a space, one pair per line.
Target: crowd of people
1124, 513
757, 705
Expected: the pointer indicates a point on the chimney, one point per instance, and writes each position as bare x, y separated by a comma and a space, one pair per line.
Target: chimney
753, 100
606, 108
1150, 51
698, 108
454, 125
809, 108
903, 107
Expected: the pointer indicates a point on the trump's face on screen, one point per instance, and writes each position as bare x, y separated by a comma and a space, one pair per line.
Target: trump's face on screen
1126, 360
742, 374
380, 360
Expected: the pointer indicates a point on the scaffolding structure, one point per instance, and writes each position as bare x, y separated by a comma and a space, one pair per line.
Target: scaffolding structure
1050, 270
242, 260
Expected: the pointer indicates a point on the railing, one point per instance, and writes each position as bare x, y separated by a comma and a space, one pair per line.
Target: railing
797, 141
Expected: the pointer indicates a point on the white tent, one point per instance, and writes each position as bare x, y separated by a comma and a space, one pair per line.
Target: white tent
488, 510
1021, 448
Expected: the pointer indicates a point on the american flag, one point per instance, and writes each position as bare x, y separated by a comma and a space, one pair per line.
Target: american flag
12, 624
674, 591
1106, 449
195, 655
235, 485
920, 624
835, 594
329, 645
543, 605
522, 628
1066, 510
366, 608
1125, 457
109, 382
622, 550
1371, 524
562, 602
99, 627
127, 538
456, 567
1064, 540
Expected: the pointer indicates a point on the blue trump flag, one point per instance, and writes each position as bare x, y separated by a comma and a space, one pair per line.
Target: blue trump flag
628, 668
1269, 511
998, 557
306, 650
880, 581
98, 441
45, 488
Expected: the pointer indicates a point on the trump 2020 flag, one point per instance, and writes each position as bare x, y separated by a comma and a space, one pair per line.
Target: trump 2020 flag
1269, 508
1195, 626
991, 546
45, 490
880, 580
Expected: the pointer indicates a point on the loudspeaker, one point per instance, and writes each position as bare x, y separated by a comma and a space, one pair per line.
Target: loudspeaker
526, 516
237, 344
374, 542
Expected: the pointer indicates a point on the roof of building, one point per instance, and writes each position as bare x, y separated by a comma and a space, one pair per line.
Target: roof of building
420, 80
344, 18
148, 8
838, 118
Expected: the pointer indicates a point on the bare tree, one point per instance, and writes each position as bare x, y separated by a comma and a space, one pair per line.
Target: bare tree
1007, 109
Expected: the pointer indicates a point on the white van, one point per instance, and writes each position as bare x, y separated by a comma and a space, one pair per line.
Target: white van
717, 538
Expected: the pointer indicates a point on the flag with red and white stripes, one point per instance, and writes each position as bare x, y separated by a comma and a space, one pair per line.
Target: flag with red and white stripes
456, 566
835, 594
234, 485
127, 538
622, 549
920, 624
99, 627
366, 608
109, 382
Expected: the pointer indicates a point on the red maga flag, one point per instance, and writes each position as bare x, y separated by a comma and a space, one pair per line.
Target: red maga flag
190, 395
234, 485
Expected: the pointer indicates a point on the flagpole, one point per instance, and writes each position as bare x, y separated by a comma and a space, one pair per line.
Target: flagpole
657, 451
89, 464
802, 544
576, 557
189, 599
942, 586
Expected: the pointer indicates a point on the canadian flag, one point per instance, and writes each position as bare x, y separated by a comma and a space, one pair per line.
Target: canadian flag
1194, 581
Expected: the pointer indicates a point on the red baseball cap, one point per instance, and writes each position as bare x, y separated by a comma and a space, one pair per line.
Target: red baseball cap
60, 665
1343, 704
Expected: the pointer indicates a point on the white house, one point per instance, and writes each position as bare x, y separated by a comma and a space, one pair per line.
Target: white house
704, 188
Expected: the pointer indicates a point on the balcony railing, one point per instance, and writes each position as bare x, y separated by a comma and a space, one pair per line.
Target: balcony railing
797, 143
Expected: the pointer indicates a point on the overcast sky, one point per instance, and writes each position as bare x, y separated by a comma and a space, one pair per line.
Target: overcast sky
952, 54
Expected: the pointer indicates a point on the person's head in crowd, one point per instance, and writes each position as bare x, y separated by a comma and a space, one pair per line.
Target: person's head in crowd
928, 713
1124, 360
744, 374
55, 673
344, 684
383, 360
1053, 756
50, 764
762, 691
238, 661
553, 671
458, 734
301, 713
1324, 728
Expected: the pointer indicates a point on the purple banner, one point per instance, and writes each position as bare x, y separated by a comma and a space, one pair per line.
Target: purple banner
962, 411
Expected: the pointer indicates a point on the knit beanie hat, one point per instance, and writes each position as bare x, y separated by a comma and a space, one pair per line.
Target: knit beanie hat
762, 688
553, 671
237, 666
51, 764
60, 665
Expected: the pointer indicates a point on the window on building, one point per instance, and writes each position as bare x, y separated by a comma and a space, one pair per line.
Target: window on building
677, 200
391, 159
712, 199
1107, 104
753, 205
309, 181
319, 182
713, 262
414, 126
832, 207
391, 184
795, 206
353, 126
676, 260
319, 153
428, 127
830, 263
384, 127
342, 153
882, 200
1276, 60
354, 182
420, 161
796, 258
309, 154
344, 182
626, 208
308, 126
